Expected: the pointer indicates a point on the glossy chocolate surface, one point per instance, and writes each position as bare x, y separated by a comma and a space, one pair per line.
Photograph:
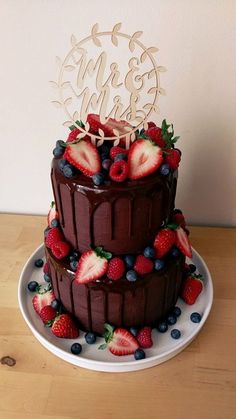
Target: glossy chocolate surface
124, 218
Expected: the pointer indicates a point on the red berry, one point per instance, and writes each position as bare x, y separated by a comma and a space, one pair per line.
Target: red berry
60, 249
144, 337
155, 134
54, 235
116, 269
47, 314
182, 242
91, 266
117, 150
151, 124
119, 171
143, 265
53, 214
112, 124
144, 158
41, 299
173, 158
179, 219
73, 135
84, 156
119, 341
164, 240
64, 327
46, 268
191, 289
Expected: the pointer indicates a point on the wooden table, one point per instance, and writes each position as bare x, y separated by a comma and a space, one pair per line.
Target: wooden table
200, 382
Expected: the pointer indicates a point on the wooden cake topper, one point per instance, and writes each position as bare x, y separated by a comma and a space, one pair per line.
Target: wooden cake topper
88, 63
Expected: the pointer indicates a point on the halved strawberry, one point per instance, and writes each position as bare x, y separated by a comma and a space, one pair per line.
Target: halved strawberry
119, 341
144, 158
92, 265
84, 156
182, 242
53, 214
191, 289
43, 298
95, 124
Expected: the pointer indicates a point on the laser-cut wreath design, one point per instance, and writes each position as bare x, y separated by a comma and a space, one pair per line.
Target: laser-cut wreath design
77, 63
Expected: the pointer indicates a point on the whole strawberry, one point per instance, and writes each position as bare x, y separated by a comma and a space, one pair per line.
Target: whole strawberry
164, 240
64, 327
116, 269
155, 134
143, 265
191, 289
60, 249
173, 158
54, 235
144, 337
47, 314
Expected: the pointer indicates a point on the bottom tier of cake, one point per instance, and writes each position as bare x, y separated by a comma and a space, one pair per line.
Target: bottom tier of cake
121, 303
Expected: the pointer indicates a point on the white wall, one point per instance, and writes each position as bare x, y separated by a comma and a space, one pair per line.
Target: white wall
197, 42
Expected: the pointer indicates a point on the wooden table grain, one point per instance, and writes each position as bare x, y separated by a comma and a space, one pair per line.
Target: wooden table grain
200, 382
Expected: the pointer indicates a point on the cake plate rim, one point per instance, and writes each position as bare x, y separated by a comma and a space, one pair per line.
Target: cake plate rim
119, 364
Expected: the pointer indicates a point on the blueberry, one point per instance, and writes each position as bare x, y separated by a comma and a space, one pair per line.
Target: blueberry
62, 164
149, 252
74, 255
162, 327
177, 311
98, 178
177, 211
32, 286
69, 171
38, 263
120, 156
90, 338
164, 169
55, 223
175, 333
133, 330
58, 151
142, 131
73, 265
60, 143
192, 268
131, 276
171, 319
104, 151
47, 278
159, 264
56, 304
139, 354
196, 317
129, 261
76, 348
46, 231
174, 252
106, 164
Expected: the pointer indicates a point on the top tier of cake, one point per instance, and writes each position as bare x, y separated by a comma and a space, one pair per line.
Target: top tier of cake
124, 218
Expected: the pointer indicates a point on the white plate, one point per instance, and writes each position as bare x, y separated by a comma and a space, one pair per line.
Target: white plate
164, 347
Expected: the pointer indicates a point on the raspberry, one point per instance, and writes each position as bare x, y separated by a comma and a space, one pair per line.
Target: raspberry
60, 249
116, 269
144, 337
155, 134
117, 150
54, 235
173, 158
47, 314
151, 124
143, 265
119, 171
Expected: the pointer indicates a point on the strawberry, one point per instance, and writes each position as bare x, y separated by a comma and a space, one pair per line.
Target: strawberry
64, 327
95, 125
173, 158
179, 219
54, 235
73, 135
46, 268
84, 156
117, 150
119, 171
182, 242
164, 240
143, 265
191, 289
43, 298
92, 265
119, 341
155, 134
53, 214
144, 159
144, 337
47, 314
60, 249
116, 268
151, 124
